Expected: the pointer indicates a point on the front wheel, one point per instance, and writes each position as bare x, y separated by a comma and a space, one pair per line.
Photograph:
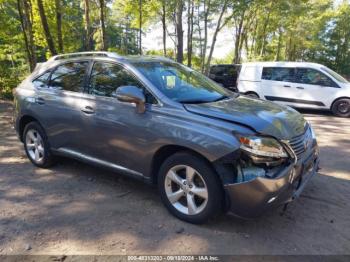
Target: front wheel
189, 188
341, 107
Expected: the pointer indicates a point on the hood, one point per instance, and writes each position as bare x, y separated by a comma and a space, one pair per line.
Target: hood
264, 117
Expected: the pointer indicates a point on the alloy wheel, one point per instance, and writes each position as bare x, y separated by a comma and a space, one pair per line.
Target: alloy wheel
186, 190
35, 146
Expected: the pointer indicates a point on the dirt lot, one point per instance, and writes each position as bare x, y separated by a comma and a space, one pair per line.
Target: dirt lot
78, 209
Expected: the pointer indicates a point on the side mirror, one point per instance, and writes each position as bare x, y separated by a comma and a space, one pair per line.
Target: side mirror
132, 94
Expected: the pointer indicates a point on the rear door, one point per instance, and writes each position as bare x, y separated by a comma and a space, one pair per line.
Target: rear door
59, 104
277, 84
314, 88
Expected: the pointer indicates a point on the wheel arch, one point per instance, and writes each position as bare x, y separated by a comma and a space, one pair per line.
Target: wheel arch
335, 100
252, 92
25, 120
166, 151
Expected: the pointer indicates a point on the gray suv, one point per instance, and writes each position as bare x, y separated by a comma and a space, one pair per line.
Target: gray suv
207, 149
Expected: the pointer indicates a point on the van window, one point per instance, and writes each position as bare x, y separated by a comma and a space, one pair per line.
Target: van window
285, 74
313, 77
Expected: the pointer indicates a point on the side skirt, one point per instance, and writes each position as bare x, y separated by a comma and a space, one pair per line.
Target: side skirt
291, 100
98, 162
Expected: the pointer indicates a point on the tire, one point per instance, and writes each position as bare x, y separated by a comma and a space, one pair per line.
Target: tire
341, 107
252, 94
207, 205
36, 145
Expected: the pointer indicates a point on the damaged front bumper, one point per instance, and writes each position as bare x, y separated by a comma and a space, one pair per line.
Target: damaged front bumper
252, 198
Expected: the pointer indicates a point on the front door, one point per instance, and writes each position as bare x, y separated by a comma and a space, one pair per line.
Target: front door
117, 134
313, 88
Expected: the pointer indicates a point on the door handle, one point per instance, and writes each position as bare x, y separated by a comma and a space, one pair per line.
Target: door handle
40, 100
286, 86
88, 110
300, 87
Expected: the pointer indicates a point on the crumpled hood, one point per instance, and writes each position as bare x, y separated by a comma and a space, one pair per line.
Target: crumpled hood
264, 117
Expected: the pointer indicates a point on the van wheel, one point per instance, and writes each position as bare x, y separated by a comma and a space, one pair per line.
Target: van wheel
189, 188
252, 94
36, 145
341, 107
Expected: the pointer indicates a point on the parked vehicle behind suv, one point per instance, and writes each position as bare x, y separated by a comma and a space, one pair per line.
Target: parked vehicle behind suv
297, 84
207, 149
225, 74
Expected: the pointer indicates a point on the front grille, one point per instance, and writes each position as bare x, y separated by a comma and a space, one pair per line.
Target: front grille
300, 143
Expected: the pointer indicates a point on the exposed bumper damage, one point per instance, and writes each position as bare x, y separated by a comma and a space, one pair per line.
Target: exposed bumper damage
252, 198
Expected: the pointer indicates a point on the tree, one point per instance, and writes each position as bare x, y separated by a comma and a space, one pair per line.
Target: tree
26, 25
59, 25
46, 29
88, 34
179, 31
102, 24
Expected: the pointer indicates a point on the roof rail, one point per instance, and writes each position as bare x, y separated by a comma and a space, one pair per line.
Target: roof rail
89, 53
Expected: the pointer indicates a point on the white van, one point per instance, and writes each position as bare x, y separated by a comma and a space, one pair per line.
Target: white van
297, 84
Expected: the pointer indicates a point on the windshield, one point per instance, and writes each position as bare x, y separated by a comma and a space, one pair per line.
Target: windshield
335, 75
180, 83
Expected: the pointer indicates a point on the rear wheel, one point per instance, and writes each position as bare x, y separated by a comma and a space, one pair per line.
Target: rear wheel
189, 188
252, 94
36, 145
341, 107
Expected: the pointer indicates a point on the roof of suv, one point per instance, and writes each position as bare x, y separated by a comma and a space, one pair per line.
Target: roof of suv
102, 54
54, 60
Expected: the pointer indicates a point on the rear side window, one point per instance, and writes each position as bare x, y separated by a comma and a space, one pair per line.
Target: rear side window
313, 77
284, 74
42, 81
69, 76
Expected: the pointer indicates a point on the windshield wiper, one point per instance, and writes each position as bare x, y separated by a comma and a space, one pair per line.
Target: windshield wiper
194, 101
201, 101
220, 98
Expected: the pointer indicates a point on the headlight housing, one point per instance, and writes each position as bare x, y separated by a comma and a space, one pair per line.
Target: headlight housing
262, 146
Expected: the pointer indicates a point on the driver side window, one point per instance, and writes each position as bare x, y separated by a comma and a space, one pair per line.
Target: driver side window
313, 77
107, 77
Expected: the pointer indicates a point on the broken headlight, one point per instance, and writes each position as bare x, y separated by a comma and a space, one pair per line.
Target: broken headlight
262, 146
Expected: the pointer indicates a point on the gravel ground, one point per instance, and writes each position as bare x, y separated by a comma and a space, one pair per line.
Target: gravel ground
74, 208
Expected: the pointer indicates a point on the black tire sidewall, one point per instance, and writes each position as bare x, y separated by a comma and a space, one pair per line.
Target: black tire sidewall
48, 158
215, 192
335, 107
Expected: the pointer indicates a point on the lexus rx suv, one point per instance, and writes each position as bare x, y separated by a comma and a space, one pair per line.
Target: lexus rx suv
207, 149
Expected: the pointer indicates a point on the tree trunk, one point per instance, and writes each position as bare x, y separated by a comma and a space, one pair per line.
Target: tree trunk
140, 27
102, 24
190, 12
217, 30
46, 28
88, 38
26, 41
238, 39
28, 19
206, 15
59, 25
164, 27
179, 30
278, 53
